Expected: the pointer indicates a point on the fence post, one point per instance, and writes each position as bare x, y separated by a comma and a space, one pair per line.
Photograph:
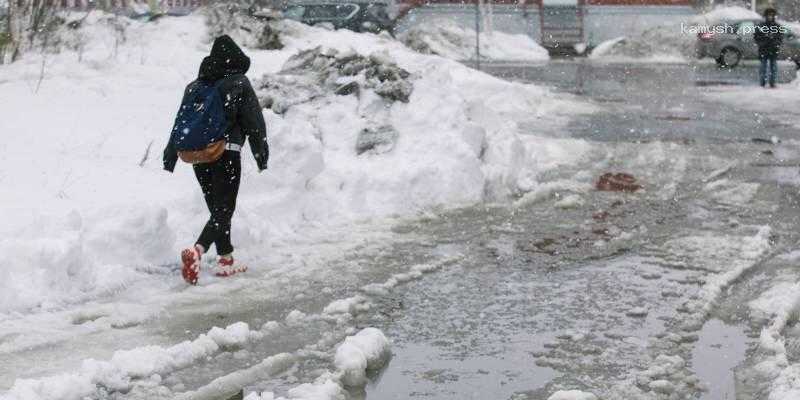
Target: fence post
477, 35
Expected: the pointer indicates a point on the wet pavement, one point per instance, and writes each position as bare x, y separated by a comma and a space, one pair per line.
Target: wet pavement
541, 302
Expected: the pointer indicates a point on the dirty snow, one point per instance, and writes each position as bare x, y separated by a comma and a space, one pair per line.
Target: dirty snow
448, 39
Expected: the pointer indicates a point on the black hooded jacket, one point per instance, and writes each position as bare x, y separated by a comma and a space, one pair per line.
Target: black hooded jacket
768, 35
227, 65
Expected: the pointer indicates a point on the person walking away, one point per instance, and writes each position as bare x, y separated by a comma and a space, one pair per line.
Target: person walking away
218, 112
768, 36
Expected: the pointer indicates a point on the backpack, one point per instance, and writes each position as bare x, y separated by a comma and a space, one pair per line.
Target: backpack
199, 131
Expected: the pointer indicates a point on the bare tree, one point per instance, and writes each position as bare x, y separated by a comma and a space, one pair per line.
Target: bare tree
28, 23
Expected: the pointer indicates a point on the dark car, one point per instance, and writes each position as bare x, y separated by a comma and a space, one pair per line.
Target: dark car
732, 41
353, 15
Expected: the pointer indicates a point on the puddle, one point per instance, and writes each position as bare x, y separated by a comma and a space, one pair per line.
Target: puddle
719, 350
425, 371
703, 83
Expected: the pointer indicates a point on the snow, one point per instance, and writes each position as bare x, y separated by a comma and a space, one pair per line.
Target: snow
415, 272
659, 44
732, 193
447, 39
367, 350
569, 201
350, 305
764, 102
572, 395
740, 254
782, 301
666, 43
295, 317
325, 389
662, 386
143, 363
605, 47
723, 14
101, 223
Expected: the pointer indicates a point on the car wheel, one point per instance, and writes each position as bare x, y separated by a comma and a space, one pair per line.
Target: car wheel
797, 62
729, 57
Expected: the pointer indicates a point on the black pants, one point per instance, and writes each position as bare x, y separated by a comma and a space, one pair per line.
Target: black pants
768, 72
220, 184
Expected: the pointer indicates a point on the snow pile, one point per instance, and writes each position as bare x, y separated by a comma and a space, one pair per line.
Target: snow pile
664, 43
782, 301
672, 42
92, 213
234, 20
448, 39
367, 350
98, 378
312, 74
724, 14
666, 378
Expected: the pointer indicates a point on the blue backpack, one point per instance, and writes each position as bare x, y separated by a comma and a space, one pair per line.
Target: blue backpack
199, 131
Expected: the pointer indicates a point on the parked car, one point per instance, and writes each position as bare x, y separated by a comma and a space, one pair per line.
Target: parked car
358, 16
731, 42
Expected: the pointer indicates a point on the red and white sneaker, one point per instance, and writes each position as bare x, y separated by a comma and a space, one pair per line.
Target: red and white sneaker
228, 267
191, 264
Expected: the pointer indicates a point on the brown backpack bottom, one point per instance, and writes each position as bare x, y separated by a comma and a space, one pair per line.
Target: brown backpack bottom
208, 155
